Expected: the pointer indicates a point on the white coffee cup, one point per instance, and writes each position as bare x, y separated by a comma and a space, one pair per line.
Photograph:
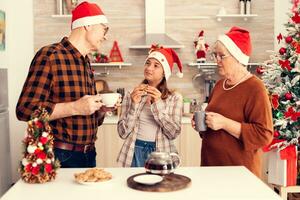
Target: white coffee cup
110, 99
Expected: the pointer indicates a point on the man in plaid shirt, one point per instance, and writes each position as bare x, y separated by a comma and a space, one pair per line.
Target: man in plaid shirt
61, 80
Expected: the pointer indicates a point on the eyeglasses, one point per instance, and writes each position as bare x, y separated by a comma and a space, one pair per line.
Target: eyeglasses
219, 57
106, 28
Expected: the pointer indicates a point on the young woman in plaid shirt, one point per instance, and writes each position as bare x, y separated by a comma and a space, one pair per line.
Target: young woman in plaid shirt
151, 113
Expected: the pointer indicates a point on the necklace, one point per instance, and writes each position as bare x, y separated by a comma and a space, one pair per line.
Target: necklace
241, 80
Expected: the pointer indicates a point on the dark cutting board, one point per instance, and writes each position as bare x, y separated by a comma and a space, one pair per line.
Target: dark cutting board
170, 182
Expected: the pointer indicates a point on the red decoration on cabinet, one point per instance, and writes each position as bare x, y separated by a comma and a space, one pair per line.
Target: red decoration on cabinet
115, 54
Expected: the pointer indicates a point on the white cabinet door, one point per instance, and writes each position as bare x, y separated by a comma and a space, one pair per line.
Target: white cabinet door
109, 144
190, 146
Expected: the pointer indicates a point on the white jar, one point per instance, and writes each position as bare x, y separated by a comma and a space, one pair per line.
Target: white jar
248, 7
242, 7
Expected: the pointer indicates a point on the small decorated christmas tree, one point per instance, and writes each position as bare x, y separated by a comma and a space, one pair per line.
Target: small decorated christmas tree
281, 76
115, 53
38, 164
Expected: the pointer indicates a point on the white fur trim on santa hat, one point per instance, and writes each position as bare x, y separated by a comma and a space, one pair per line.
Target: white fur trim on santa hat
234, 49
164, 62
91, 20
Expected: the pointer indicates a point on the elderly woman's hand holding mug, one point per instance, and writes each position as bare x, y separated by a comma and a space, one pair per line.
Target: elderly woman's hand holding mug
212, 120
215, 121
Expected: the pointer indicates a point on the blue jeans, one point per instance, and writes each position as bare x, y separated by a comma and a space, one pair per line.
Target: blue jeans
74, 159
142, 150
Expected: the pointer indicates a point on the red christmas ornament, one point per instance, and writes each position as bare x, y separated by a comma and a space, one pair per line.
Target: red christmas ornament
288, 39
276, 134
259, 70
43, 140
282, 50
28, 168
42, 155
35, 170
48, 168
37, 151
288, 96
39, 124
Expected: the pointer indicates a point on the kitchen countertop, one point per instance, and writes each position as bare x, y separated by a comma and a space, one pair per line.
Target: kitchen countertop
209, 183
114, 120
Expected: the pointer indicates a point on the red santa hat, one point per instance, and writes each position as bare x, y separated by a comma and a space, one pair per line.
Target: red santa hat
238, 43
201, 34
87, 14
167, 57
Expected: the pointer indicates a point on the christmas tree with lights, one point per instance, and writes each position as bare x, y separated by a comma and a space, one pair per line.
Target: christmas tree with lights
281, 75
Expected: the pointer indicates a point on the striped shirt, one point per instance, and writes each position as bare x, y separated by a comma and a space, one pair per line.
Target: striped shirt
59, 74
167, 113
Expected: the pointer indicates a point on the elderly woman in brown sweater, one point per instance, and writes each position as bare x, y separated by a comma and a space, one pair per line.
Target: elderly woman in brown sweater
238, 115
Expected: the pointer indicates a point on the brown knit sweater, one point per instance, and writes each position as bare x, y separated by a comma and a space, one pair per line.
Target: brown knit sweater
248, 104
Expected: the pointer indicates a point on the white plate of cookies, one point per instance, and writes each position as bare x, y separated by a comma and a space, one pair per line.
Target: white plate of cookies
93, 176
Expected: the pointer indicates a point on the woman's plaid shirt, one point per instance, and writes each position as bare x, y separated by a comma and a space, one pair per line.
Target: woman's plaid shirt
167, 113
60, 74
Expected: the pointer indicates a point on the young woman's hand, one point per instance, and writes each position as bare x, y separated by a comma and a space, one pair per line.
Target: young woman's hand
137, 93
154, 93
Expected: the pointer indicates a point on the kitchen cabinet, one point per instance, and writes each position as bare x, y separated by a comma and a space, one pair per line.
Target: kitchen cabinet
188, 144
109, 144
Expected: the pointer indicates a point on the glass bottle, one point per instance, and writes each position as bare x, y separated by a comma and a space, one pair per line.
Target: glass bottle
242, 7
248, 7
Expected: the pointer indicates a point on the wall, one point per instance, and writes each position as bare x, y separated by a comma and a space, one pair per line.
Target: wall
3, 54
281, 8
17, 58
23, 34
127, 24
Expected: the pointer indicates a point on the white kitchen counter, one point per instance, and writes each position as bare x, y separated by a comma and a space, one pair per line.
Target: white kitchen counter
114, 120
208, 183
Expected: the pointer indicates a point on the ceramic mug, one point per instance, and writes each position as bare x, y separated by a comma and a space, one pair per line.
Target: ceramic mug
199, 118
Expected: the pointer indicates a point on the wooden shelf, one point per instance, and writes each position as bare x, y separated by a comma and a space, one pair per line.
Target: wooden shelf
118, 18
203, 65
120, 65
214, 65
187, 17
245, 17
61, 16
139, 17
